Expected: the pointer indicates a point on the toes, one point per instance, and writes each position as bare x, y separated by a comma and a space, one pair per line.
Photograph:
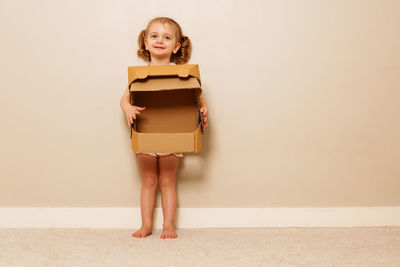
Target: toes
141, 233
165, 235
138, 234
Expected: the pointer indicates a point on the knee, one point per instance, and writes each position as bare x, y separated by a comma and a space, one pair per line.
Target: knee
167, 181
149, 180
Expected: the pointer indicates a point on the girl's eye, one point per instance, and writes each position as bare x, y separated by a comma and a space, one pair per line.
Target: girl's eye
167, 37
153, 36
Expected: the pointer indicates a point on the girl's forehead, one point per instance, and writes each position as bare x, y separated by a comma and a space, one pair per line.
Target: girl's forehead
162, 27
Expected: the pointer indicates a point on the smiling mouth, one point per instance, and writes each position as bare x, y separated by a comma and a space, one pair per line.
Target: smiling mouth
159, 47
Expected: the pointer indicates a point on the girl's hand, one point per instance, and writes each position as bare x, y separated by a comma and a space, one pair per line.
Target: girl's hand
131, 112
204, 112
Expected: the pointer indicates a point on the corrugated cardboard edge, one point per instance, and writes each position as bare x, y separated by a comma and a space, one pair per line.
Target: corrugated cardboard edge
183, 71
197, 139
134, 139
168, 83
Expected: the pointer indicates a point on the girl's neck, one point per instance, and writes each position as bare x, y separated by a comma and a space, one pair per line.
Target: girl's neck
157, 61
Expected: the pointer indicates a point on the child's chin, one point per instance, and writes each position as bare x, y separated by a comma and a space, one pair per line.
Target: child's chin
160, 54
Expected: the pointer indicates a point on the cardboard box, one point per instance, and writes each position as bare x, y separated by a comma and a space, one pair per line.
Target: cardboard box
172, 121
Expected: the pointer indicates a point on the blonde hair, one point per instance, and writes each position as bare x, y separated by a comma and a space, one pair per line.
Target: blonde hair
181, 56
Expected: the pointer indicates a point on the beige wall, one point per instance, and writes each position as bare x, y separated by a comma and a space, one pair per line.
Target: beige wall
303, 100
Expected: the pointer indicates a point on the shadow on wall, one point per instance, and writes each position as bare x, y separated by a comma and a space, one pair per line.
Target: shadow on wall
194, 166
127, 140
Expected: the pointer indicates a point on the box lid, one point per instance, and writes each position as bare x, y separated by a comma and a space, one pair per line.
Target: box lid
181, 70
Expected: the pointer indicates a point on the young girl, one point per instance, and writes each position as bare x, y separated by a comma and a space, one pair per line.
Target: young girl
161, 43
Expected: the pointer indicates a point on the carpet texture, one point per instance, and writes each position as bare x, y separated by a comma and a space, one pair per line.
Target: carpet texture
369, 246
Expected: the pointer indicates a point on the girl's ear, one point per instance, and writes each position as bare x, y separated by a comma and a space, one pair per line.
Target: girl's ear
177, 46
145, 44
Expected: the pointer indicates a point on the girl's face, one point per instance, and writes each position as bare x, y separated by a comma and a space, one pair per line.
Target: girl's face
161, 40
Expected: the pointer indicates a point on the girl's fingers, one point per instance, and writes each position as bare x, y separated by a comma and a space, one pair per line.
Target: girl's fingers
132, 113
128, 117
204, 110
127, 121
137, 110
205, 120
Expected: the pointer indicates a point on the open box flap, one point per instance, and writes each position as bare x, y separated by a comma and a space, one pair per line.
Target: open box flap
166, 83
181, 70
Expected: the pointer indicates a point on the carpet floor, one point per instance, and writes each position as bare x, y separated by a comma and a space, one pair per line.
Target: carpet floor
365, 246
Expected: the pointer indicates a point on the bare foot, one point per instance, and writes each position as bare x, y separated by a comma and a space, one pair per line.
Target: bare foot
142, 232
168, 232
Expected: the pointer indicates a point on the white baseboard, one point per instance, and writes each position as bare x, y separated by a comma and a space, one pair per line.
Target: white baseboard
59, 217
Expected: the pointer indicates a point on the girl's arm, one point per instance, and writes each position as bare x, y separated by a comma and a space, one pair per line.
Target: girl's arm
130, 110
204, 110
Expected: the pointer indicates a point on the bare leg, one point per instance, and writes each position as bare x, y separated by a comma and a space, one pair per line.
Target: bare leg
167, 179
148, 171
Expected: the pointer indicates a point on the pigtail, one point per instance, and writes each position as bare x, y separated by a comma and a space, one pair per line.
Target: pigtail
183, 54
142, 52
